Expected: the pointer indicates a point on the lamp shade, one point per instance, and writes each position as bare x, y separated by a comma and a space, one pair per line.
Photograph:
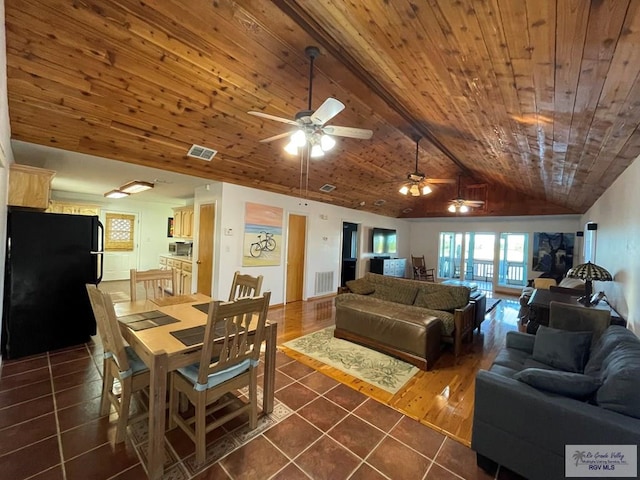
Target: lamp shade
589, 271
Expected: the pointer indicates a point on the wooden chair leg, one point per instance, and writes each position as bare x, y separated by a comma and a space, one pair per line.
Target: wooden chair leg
123, 414
253, 398
200, 429
173, 404
107, 386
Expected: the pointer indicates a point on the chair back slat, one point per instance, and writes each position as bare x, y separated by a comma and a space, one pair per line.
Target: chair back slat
227, 339
245, 286
156, 282
108, 328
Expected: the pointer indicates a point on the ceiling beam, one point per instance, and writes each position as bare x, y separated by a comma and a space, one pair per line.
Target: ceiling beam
298, 14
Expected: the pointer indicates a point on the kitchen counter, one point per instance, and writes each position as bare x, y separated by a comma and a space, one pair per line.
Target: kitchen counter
183, 266
178, 257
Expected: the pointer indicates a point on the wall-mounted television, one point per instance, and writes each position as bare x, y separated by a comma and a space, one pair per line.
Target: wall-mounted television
383, 241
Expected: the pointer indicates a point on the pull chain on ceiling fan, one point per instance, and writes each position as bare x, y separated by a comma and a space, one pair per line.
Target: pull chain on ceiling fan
311, 130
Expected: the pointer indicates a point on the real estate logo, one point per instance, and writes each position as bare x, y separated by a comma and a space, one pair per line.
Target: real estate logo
601, 461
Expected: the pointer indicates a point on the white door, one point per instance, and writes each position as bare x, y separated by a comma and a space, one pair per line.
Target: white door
117, 263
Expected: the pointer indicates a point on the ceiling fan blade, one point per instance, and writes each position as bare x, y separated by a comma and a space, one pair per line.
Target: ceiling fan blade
440, 180
473, 203
351, 132
273, 117
325, 112
275, 137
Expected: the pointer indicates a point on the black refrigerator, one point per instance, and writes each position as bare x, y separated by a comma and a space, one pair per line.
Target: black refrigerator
50, 258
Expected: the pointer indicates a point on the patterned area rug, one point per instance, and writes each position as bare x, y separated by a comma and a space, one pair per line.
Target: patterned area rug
383, 371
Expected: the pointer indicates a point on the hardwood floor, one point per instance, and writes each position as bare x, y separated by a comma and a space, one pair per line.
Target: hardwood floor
441, 398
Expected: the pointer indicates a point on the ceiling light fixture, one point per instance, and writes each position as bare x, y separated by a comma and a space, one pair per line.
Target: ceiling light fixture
416, 184
127, 189
136, 186
116, 194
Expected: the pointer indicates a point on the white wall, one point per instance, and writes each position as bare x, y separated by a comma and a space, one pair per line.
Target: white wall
618, 243
152, 216
425, 232
324, 237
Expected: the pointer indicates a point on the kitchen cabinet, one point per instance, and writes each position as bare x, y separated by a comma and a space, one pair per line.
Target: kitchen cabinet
73, 208
29, 186
394, 267
183, 269
183, 222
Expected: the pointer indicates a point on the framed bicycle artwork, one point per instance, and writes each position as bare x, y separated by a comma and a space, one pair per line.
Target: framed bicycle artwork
262, 235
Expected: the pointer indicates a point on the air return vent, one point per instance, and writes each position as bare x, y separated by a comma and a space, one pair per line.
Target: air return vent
324, 283
203, 153
379, 203
326, 188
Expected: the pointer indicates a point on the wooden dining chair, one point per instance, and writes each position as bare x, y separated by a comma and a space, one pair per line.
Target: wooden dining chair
120, 363
156, 282
420, 270
229, 361
245, 286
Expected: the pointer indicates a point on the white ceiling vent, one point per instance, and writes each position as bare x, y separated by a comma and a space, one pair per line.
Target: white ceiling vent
326, 188
203, 153
379, 203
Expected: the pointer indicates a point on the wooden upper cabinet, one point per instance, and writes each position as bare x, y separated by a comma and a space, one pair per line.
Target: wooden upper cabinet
183, 222
73, 208
29, 186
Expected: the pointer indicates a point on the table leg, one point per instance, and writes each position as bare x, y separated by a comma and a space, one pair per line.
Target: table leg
157, 407
271, 335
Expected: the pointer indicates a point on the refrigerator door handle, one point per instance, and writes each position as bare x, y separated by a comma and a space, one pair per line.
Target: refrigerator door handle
100, 252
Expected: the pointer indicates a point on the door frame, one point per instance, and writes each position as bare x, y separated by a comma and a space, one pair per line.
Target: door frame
304, 257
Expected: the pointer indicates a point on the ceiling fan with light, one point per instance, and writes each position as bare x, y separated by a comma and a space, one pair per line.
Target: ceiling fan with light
311, 129
461, 205
417, 183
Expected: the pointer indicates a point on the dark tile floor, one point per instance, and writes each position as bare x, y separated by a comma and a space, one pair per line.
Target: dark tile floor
51, 429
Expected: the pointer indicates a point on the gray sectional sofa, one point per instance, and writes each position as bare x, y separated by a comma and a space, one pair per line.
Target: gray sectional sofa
553, 389
409, 319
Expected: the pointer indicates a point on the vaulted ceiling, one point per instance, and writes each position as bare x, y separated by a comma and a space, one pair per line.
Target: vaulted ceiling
533, 104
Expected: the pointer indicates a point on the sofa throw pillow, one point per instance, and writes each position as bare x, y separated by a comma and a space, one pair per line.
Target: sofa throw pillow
564, 350
442, 300
404, 294
361, 286
568, 384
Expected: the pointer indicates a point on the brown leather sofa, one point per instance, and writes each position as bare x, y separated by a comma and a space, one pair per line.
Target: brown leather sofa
406, 318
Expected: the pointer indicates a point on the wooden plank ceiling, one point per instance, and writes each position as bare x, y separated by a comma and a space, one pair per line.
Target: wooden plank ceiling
533, 103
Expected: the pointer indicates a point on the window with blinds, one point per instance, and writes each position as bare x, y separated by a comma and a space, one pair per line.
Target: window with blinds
118, 232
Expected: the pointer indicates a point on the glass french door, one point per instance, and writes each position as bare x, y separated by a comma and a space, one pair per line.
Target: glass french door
479, 256
449, 255
512, 269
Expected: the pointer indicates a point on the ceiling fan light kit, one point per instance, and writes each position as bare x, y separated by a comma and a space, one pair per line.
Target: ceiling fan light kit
460, 205
311, 132
416, 183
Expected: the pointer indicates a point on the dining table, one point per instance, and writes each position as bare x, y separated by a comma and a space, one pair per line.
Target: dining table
156, 329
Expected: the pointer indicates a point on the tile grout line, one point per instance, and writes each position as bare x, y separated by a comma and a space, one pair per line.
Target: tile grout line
55, 412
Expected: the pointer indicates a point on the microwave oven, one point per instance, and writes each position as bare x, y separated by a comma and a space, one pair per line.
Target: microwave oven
180, 248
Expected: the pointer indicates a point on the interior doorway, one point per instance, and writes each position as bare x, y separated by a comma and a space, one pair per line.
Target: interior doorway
349, 252
296, 247
206, 231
